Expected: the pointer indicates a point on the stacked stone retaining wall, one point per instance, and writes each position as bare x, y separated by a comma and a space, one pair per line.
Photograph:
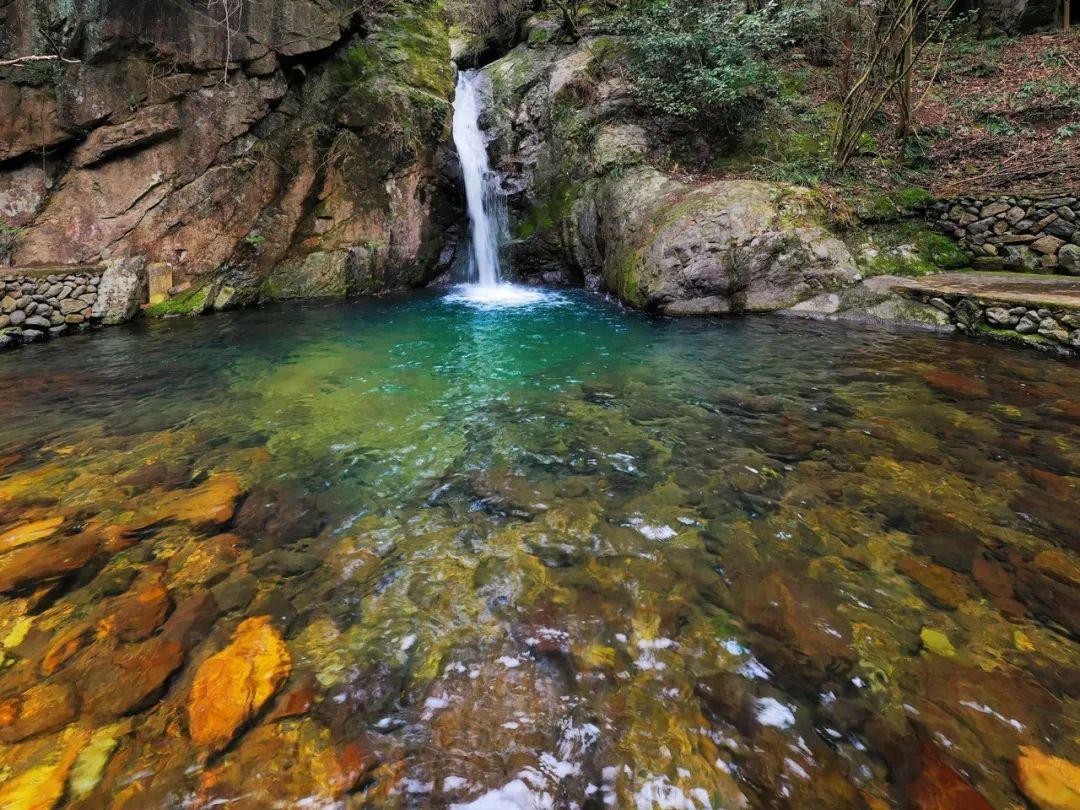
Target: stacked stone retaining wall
1020, 234
35, 308
1052, 329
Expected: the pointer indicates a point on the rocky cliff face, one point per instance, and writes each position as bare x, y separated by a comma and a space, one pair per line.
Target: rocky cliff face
246, 150
589, 190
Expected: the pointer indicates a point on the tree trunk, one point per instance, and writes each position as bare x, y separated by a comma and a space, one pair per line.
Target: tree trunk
907, 58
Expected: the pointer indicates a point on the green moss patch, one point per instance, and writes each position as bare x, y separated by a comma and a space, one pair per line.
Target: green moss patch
906, 249
192, 302
399, 79
548, 212
883, 206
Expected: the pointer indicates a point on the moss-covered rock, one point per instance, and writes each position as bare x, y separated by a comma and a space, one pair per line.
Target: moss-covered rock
191, 302
717, 248
319, 275
905, 248
398, 79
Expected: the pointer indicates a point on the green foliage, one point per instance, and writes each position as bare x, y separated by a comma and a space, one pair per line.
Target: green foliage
996, 125
1056, 89
704, 62
1066, 132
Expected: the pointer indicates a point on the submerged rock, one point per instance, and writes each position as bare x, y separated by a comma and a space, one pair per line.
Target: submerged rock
44, 707
114, 681
1050, 782
43, 785
231, 686
939, 787
46, 560
213, 502
31, 532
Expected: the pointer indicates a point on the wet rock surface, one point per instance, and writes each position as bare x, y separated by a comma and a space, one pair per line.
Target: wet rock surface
241, 151
551, 557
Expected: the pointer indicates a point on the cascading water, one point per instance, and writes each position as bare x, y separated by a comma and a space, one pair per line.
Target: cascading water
486, 205
487, 208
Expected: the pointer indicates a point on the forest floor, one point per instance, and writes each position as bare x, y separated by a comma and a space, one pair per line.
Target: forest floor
995, 115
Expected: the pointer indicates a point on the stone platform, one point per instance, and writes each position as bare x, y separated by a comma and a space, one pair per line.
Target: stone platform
1004, 288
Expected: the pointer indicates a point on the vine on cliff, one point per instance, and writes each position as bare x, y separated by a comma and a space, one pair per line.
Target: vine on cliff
227, 14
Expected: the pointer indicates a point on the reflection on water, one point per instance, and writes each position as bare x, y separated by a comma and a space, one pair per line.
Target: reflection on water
419, 553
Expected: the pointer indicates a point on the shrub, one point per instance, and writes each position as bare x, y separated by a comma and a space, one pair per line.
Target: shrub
703, 62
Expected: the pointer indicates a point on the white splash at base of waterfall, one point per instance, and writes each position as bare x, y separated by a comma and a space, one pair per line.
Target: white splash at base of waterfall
500, 296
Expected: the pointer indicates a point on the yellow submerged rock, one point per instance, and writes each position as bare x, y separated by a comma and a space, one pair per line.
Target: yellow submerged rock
1052, 783
937, 642
212, 502
42, 787
231, 686
27, 533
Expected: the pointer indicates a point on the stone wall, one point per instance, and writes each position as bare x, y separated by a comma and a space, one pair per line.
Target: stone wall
1052, 329
1021, 234
37, 307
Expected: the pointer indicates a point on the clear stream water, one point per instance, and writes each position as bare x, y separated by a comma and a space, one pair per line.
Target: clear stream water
559, 555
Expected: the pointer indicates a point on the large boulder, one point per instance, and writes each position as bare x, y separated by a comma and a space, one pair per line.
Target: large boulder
1018, 16
727, 246
122, 289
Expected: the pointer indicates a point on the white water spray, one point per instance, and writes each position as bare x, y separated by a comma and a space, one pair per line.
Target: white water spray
486, 204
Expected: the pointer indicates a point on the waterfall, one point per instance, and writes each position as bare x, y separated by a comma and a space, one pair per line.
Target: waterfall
483, 193
488, 223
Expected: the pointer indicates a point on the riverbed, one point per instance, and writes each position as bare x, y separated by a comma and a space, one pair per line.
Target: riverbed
424, 551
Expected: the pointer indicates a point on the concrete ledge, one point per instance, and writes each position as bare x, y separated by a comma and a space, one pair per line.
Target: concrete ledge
999, 288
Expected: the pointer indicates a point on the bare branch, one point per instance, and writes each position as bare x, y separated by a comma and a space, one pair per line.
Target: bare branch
29, 60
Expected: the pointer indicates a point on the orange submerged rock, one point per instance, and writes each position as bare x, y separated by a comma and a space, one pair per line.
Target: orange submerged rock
29, 532
231, 686
214, 501
1050, 782
939, 787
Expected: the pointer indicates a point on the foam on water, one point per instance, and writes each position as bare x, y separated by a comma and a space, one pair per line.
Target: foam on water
500, 296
